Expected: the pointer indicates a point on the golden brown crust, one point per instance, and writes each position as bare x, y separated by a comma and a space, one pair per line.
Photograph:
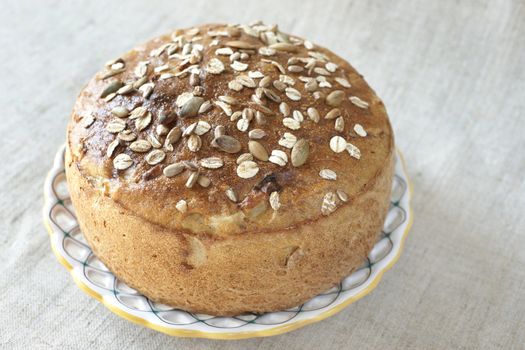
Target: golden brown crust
158, 235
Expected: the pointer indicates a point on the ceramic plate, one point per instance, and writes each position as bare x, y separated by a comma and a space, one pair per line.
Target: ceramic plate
95, 279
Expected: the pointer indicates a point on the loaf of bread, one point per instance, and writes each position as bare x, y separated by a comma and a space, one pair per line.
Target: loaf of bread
225, 169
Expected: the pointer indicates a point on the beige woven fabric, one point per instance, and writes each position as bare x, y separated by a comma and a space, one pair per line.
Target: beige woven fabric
452, 77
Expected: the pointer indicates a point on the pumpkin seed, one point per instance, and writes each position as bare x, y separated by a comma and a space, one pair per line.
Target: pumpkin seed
111, 88
191, 107
258, 150
335, 98
121, 112
300, 152
228, 144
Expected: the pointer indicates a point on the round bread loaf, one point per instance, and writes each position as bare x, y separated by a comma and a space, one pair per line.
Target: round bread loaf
225, 169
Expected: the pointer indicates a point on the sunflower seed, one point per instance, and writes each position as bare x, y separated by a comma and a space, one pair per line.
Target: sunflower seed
173, 169
228, 144
291, 123
239, 66
278, 157
328, 174
215, 66
321, 71
141, 70
211, 163
139, 82
121, 112
293, 94
182, 206
111, 88
274, 200
155, 157
126, 135
227, 109
154, 141
244, 157
146, 90
265, 82
122, 161
359, 130
162, 130
111, 147
192, 179
126, 89
284, 109
194, 143
300, 152
337, 144
191, 107
142, 123
313, 114
230, 193
87, 121
328, 206
256, 134
112, 72
358, 102
339, 124
353, 151
342, 195
258, 150
295, 69
335, 98
343, 82
173, 136
247, 169
205, 106
284, 47
115, 125
237, 44
333, 114
140, 146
